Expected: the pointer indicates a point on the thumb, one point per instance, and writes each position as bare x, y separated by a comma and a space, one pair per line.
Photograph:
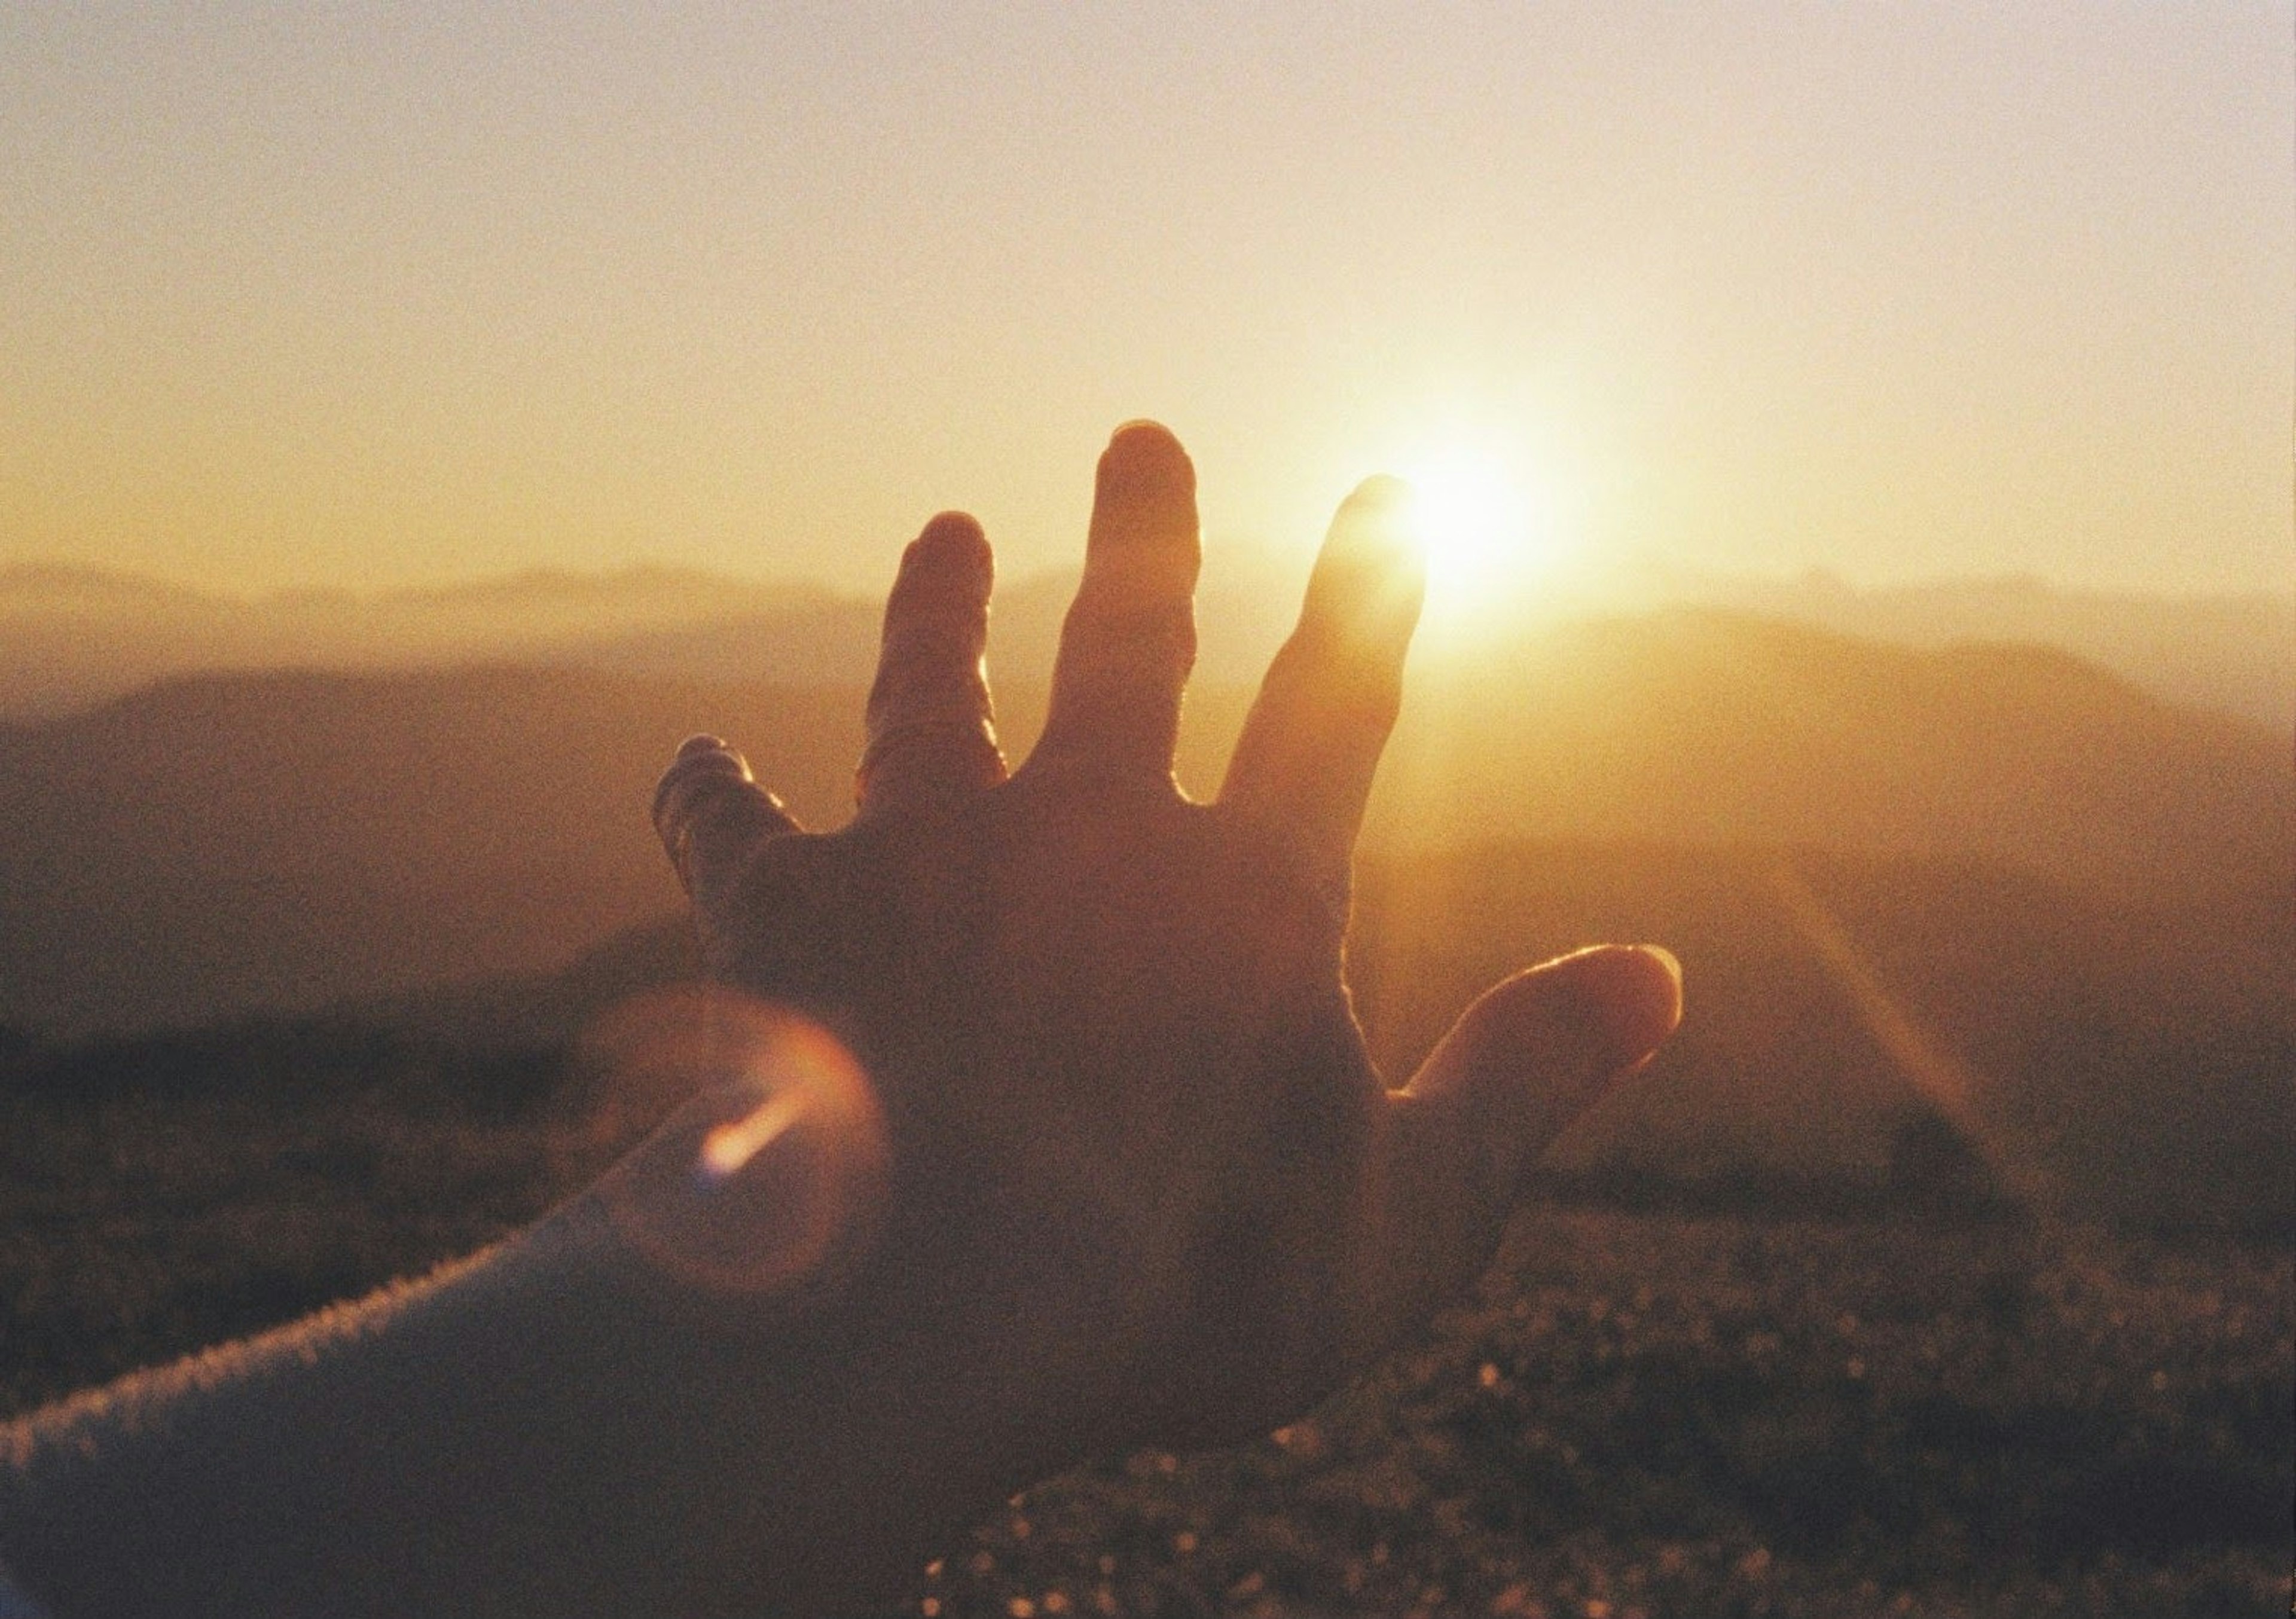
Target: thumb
1527, 1058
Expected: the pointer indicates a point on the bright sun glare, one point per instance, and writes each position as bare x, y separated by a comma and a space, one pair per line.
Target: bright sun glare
1488, 530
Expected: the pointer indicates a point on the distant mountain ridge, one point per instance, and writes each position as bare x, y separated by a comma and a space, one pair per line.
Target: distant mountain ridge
72, 636
291, 841
1702, 726
2232, 651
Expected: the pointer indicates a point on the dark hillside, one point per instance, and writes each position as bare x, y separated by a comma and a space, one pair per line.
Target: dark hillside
287, 841
1859, 1028
284, 840
2098, 1062
1712, 728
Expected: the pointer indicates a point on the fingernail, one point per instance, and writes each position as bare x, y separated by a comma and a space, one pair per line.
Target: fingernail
702, 758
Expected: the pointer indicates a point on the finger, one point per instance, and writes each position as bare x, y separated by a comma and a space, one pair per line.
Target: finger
932, 733
1130, 636
712, 815
1521, 1063
1312, 743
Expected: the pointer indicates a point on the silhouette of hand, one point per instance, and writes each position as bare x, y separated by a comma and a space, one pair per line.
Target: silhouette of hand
1144, 1184
1135, 1181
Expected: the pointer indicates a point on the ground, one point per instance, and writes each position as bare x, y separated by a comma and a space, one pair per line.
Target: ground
1654, 1412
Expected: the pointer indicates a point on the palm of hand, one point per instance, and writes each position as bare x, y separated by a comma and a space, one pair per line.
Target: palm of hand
1146, 1184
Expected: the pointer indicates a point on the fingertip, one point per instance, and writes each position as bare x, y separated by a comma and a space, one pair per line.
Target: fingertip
1370, 579
1143, 431
1382, 492
951, 552
959, 532
1594, 1012
704, 755
1632, 996
1145, 455
1379, 522
1672, 964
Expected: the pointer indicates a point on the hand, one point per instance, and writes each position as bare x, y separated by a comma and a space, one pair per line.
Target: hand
1145, 1185
1139, 1183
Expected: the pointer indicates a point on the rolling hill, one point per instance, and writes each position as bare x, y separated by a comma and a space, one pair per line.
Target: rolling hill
2232, 651
290, 840
1709, 727
2098, 1062
71, 637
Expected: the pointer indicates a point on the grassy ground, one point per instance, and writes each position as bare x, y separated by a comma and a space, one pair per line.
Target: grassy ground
1645, 1413
1680, 1415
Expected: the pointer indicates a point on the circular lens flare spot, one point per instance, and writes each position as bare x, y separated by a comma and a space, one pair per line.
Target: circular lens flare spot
769, 1169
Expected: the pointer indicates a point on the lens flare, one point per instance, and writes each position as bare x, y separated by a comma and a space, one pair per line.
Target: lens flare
726, 1150
769, 1168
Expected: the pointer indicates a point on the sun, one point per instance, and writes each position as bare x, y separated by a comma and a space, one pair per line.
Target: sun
1488, 528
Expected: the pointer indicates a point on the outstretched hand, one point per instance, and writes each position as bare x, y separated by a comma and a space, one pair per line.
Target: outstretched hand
1136, 1181
1145, 1185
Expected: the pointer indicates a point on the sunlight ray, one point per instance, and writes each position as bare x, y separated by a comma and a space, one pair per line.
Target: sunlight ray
1935, 1072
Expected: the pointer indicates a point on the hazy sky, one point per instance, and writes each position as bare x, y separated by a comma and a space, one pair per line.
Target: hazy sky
373, 294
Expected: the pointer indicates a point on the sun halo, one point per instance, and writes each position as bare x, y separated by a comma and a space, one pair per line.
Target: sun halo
1488, 533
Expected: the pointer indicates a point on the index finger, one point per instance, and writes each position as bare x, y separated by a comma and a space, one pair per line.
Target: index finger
1304, 762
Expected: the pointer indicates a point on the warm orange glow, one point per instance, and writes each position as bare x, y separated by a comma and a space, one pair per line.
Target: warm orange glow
1900, 292
726, 1150
769, 1168
1490, 531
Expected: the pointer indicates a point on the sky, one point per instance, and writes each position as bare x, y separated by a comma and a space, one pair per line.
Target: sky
370, 295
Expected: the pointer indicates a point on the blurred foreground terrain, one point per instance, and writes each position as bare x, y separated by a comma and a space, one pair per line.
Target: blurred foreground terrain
1941, 1265
1771, 1402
